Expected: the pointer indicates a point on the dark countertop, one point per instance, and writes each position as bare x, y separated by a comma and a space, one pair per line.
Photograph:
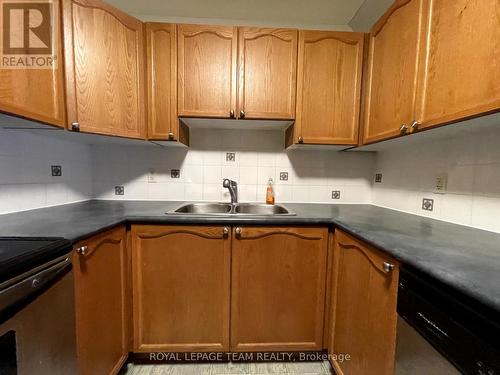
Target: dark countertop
465, 258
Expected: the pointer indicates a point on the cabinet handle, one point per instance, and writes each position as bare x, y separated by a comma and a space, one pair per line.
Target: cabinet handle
388, 267
403, 129
301, 140
414, 126
231, 113
83, 250
225, 231
242, 114
171, 136
238, 231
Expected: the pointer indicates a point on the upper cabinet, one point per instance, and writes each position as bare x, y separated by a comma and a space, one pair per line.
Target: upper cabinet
207, 71
267, 73
390, 95
35, 93
161, 60
208, 60
328, 87
431, 63
460, 75
104, 69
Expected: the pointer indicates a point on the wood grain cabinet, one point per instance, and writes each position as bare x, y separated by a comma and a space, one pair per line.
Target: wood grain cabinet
104, 60
278, 288
207, 71
427, 68
161, 63
460, 75
37, 94
390, 97
101, 275
328, 87
181, 281
363, 308
267, 64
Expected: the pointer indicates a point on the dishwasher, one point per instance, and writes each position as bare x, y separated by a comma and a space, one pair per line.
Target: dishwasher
37, 313
442, 331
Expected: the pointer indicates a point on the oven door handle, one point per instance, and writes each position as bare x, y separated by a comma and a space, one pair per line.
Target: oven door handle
431, 325
33, 284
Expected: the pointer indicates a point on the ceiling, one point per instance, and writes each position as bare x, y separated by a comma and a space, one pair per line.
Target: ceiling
322, 14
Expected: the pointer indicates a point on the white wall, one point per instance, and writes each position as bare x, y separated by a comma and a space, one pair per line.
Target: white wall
472, 163
26, 180
312, 175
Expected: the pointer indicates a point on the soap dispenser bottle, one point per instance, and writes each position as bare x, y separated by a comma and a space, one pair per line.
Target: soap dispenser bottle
270, 192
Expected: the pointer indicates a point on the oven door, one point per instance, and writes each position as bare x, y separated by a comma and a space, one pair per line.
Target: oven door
39, 336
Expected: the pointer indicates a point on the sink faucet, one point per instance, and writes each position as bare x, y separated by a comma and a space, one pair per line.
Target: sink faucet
233, 189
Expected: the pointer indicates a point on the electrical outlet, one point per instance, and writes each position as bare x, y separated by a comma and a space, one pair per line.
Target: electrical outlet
283, 176
119, 190
231, 156
378, 178
175, 173
441, 184
335, 194
151, 176
427, 204
56, 170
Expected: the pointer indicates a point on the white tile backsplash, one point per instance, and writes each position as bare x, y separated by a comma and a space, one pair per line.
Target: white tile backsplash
26, 180
472, 164
259, 155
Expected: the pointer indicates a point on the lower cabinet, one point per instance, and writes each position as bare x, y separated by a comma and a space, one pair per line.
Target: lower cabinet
181, 281
278, 288
194, 287
364, 313
100, 267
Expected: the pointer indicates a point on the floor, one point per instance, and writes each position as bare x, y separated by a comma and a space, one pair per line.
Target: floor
231, 368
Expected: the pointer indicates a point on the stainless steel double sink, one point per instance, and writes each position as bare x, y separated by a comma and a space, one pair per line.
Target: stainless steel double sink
239, 209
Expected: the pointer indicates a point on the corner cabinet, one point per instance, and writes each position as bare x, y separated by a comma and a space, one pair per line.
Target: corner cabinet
364, 316
393, 58
101, 278
267, 64
460, 75
328, 87
278, 288
37, 94
104, 60
207, 71
181, 281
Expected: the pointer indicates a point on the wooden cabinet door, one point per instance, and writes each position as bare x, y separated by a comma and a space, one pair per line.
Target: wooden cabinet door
461, 68
181, 280
207, 71
36, 94
267, 73
101, 302
278, 288
161, 57
395, 44
104, 69
328, 87
364, 308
